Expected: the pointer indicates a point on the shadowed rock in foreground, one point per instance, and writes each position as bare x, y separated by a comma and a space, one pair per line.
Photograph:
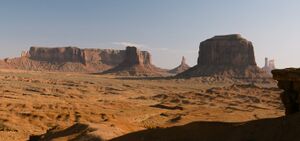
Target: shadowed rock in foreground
276, 129
228, 55
289, 81
77, 132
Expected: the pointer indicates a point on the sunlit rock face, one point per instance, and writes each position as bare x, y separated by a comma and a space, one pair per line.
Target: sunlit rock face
66, 59
74, 54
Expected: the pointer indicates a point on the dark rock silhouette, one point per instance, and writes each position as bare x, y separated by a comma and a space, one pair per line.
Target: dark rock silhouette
228, 55
289, 81
77, 132
275, 129
181, 68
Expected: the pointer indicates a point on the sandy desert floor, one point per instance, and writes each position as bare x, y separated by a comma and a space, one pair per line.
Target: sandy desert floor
33, 102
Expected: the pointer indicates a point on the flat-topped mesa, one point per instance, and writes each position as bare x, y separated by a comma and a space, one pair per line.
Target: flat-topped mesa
229, 36
181, 68
59, 54
225, 55
67, 59
136, 63
226, 50
289, 81
77, 55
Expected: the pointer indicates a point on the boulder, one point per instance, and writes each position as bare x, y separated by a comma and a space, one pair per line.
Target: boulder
181, 68
289, 81
226, 55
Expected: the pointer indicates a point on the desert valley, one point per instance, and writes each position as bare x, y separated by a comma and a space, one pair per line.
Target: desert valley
69, 93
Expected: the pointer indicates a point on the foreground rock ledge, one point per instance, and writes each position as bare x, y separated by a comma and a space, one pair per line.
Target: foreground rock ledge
289, 81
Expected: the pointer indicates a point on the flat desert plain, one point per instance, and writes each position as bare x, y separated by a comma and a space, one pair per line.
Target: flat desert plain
33, 102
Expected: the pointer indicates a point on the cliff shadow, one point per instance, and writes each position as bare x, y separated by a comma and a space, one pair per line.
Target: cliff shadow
276, 129
74, 133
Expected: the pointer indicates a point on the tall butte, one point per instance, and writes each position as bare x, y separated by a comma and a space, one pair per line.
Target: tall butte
226, 55
181, 68
136, 63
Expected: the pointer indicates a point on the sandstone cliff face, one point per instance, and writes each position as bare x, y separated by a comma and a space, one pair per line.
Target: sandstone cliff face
76, 55
228, 55
181, 68
68, 59
136, 63
289, 81
61, 55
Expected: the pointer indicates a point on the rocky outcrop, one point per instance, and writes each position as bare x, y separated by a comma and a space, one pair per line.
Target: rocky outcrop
181, 68
136, 63
228, 55
67, 59
289, 81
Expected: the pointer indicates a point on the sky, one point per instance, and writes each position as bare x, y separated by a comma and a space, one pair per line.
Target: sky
168, 29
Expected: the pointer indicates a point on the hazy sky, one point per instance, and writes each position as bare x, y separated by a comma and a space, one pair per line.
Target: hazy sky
168, 29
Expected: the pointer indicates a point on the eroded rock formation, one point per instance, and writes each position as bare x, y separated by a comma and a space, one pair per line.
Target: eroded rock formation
269, 66
289, 81
136, 63
181, 68
228, 55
